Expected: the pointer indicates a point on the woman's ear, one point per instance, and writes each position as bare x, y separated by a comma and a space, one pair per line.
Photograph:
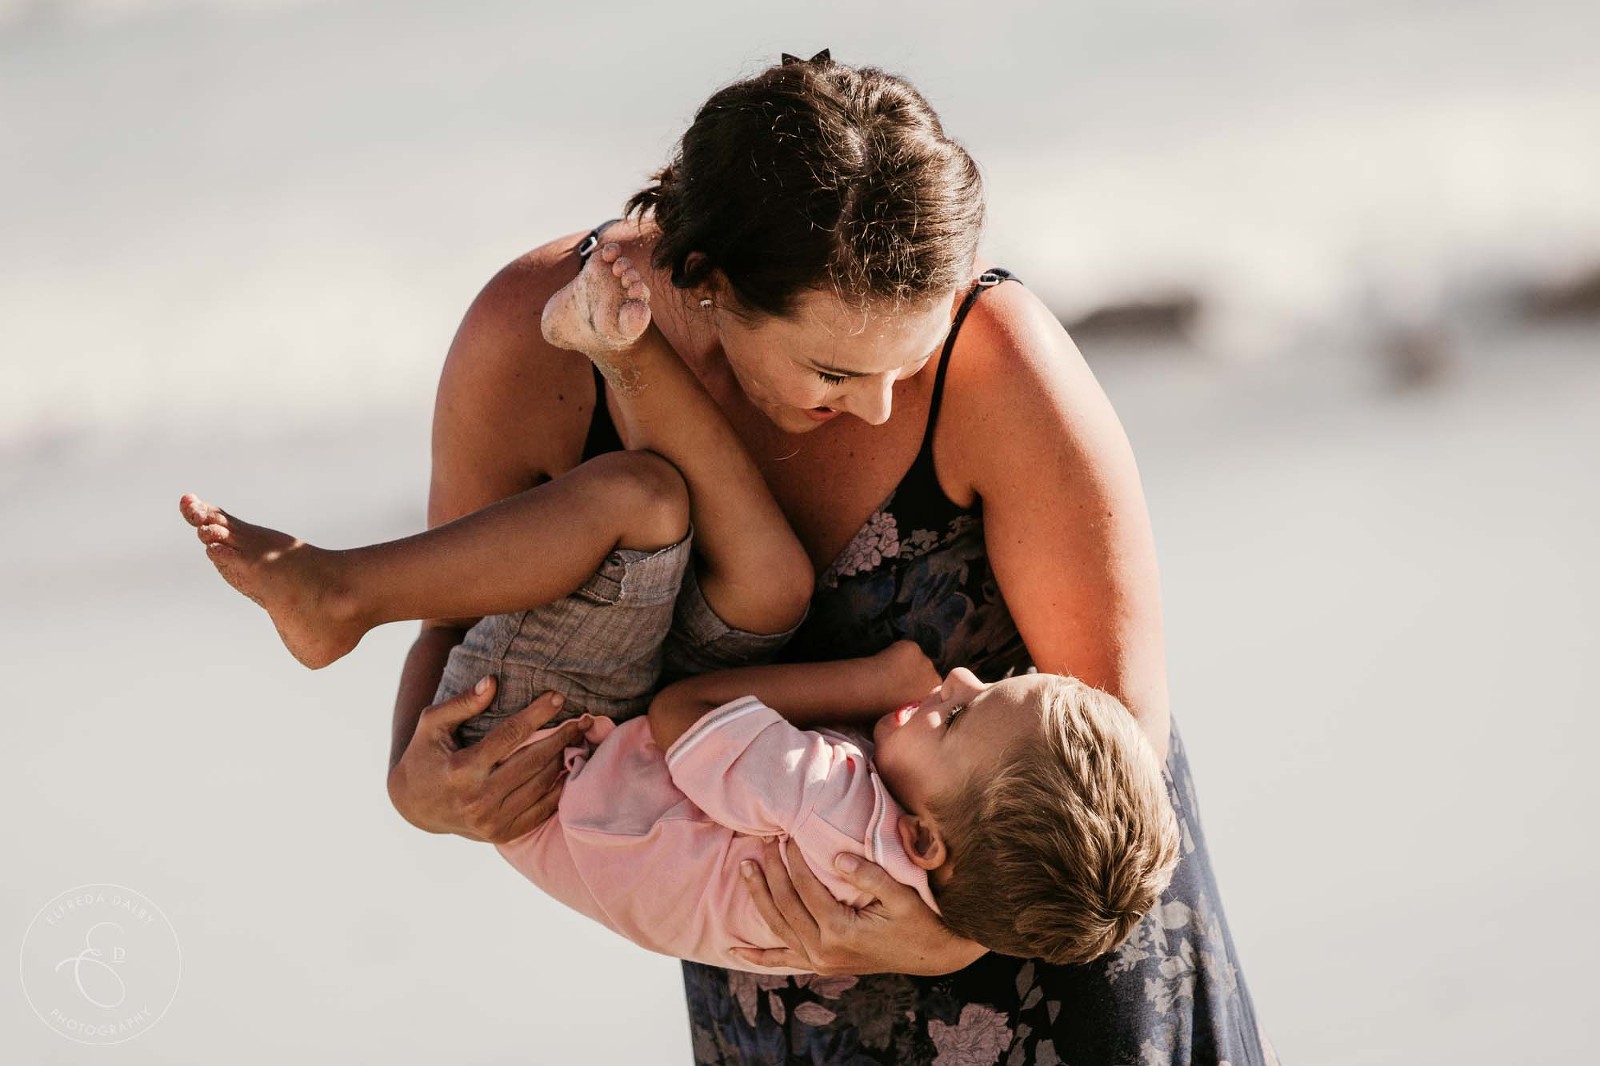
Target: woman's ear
710, 284
922, 841
714, 287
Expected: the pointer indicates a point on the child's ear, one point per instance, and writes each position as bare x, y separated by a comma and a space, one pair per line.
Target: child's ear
922, 841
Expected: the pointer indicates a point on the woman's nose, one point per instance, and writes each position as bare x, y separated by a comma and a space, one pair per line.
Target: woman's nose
873, 399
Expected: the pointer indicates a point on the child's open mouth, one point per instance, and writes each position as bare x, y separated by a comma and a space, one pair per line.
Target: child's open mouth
903, 715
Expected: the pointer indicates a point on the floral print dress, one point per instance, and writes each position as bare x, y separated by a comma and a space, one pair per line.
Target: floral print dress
1171, 994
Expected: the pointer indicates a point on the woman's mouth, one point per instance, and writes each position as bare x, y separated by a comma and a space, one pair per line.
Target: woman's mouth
903, 715
821, 414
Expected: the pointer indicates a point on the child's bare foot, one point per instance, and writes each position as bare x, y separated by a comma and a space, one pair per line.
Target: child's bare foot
601, 313
293, 580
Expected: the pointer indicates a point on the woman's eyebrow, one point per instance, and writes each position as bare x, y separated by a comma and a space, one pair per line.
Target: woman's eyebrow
836, 371
839, 371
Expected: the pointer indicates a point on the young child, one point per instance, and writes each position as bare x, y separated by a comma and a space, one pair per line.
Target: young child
1030, 811
600, 553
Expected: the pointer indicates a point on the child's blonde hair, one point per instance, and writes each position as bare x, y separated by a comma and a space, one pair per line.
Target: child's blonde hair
1063, 852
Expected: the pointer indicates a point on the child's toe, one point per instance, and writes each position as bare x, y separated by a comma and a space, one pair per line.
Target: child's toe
633, 317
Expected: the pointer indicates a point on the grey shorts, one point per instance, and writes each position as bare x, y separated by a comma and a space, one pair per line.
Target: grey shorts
640, 619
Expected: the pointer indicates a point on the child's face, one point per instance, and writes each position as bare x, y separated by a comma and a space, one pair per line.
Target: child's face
959, 731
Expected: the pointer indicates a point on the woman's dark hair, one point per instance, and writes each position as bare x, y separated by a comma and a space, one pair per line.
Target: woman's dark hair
817, 175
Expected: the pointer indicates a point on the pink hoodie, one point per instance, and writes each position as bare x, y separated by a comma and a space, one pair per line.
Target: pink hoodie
650, 846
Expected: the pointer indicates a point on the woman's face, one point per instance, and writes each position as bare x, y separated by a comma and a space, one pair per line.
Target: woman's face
831, 357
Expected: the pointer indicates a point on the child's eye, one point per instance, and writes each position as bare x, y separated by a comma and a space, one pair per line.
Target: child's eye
832, 379
950, 716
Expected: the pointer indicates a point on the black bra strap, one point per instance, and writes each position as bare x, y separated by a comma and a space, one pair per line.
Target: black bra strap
987, 280
592, 241
602, 436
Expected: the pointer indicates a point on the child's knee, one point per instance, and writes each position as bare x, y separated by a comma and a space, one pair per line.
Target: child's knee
649, 494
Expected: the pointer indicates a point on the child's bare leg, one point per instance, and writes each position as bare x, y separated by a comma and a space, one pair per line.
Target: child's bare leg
529, 549
753, 570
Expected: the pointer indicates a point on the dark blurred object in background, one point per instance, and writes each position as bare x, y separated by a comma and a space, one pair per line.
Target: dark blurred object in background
1169, 316
1574, 296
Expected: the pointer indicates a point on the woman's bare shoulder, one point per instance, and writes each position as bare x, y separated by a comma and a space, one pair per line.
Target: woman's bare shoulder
502, 322
1030, 431
511, 410
1016, 378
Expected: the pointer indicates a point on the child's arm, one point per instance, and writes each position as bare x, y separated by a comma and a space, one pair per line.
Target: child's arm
855, 691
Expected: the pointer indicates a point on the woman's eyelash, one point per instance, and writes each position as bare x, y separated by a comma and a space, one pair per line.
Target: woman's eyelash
951, 717
832, 379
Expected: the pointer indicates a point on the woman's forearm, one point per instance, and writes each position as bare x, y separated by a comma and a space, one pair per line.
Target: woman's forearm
419, 678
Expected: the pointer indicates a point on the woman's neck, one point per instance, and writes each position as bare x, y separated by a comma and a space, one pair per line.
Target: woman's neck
687, 328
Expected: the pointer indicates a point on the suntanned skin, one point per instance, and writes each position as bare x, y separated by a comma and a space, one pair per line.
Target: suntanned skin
855, 692
748, 563
1023, 424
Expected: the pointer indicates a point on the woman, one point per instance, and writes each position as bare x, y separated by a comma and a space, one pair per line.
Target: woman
820, 232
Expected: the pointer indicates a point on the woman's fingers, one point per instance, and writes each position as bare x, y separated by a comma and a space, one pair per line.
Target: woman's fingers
544, 755
757, 881
796, 915
537, 764
772, 957
442, 718
821, 906
541, 778
526, 784
533, 816
873, 880
515, 730
496, 790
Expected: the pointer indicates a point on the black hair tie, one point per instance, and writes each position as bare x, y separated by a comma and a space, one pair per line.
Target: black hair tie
821, 59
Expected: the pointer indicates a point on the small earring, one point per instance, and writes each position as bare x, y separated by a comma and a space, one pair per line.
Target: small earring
705, 304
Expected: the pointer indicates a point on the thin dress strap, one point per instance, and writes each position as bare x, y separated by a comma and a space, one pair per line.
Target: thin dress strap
587, 246
987, 280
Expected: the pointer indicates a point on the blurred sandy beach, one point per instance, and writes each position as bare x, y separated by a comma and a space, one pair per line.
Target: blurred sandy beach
237, 240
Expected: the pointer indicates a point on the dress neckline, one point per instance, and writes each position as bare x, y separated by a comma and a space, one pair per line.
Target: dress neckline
922, 468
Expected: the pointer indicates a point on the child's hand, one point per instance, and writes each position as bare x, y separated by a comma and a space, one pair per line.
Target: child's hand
910, 674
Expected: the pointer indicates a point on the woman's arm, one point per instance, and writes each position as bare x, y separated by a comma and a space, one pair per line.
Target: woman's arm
1066, 526
511, 412
1028, 429
419, 678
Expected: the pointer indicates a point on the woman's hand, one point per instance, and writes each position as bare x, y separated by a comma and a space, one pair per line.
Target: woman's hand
896, 933
495, 790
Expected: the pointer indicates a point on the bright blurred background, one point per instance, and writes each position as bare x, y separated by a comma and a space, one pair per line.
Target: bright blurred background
1336, 263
